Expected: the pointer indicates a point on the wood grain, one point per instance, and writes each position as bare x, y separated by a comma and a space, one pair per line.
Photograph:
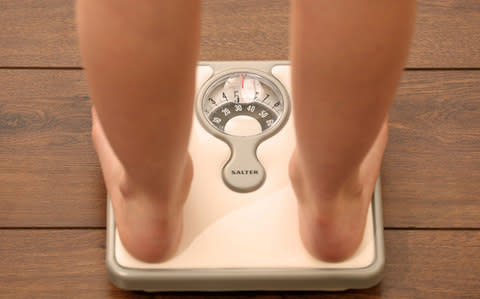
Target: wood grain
447, 34
41, 33
38, 33
49, 175
431, 168
70, 264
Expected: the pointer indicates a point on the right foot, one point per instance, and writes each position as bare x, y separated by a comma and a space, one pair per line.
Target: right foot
149, 225
332, 225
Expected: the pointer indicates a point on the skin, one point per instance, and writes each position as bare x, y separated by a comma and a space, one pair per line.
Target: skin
140, 59
347, 58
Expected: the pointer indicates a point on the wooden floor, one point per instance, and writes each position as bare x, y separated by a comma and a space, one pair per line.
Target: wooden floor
52, 198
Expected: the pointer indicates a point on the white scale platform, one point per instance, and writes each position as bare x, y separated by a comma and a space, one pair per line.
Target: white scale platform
245, 241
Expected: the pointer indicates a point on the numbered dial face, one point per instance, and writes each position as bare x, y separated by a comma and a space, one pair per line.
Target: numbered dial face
243, 104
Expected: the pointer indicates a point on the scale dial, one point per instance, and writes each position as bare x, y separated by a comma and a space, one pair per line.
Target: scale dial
243, 108
243, 99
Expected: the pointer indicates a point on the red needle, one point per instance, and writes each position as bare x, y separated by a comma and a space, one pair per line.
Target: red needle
242, 79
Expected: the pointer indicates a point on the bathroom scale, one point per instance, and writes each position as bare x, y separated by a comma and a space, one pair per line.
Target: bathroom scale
240, 217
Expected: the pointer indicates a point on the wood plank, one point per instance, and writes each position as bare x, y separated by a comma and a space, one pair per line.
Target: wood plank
431, 169
50, 176
70, 264
42, 32
38, 33
49, 173
447, 34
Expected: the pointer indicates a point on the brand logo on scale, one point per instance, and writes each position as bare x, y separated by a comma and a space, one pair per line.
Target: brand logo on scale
244, 172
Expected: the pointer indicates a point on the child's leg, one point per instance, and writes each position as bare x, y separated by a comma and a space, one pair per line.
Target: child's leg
140, 59
347, 58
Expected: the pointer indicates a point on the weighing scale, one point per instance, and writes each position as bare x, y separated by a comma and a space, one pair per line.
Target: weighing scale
241, 226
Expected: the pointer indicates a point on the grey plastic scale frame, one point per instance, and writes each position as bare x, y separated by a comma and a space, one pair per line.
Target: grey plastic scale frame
243, 149
255, 279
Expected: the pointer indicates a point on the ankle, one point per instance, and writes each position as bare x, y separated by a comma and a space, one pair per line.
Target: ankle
323, 185
155, 185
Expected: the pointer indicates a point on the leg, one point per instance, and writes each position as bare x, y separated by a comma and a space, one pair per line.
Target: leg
140, 59
347, 58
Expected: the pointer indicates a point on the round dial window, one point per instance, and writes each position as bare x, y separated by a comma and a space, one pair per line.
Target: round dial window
243, 108
243, 104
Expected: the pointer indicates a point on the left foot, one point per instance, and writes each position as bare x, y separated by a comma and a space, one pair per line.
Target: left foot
149, 225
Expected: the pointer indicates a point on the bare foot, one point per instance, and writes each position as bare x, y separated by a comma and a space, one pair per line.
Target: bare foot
332, 225
149, 226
